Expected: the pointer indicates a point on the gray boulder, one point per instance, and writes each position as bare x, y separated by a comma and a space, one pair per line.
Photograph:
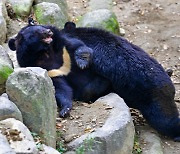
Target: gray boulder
48, 150
50, 14
3, 16
116, 136
151, 142
6, 68
101, 18
18, 135
4, 146
11, 54
61, 3
8, 109
4, 10
20, 8
32, 91
100, 4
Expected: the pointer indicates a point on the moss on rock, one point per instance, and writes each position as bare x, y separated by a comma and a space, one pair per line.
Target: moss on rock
101, 18
5, 71
50, 13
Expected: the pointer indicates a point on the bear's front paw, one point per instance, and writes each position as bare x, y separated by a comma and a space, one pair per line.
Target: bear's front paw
83, 56
65, 112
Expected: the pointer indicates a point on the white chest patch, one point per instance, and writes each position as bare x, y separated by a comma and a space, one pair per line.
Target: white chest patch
64, 69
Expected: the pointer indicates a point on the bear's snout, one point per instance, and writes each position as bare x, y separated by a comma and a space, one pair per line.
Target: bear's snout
47, 34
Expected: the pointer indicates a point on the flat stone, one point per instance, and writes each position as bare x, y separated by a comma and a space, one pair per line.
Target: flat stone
116, 136
18, 135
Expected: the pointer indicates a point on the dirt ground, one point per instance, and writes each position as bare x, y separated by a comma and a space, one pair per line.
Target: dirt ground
84, 118
155, 27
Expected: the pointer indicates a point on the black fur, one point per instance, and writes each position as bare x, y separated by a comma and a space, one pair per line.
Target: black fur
139, 79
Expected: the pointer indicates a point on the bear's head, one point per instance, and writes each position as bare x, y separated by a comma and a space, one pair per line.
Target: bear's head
31, 44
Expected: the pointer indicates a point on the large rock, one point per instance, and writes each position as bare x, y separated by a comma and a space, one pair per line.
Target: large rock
6, 68
61, 3
4, 146
21, 8
150, 141
4, 10
117, 134
101, 18
3, 16
11, 54
8, 109
100, 4
18, 135
50, 14
32, 91
48, 150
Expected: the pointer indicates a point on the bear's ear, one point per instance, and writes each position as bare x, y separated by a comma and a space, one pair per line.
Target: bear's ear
69, 26
31, 22
11, 44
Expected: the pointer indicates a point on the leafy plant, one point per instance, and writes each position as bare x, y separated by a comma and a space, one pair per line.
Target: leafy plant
60, 147
136, 149
60, 143
86, 146
38, 141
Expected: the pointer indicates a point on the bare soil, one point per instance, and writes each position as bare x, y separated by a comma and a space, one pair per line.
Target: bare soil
84, 118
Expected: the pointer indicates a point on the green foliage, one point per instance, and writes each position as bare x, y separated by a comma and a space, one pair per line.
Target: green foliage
60, 147
136, 149
60, 143
86, 146
5, 71
112, 25
38, 141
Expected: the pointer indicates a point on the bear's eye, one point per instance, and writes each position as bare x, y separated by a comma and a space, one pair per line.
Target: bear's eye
33, 37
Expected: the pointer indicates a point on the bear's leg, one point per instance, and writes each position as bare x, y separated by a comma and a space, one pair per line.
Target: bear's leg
63, 94
165, 122
96, 88
82, 53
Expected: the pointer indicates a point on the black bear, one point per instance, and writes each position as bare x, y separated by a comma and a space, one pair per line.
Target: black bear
106, 62
49, 48
139, 79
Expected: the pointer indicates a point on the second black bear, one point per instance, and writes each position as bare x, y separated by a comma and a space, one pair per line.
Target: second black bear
139, 79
